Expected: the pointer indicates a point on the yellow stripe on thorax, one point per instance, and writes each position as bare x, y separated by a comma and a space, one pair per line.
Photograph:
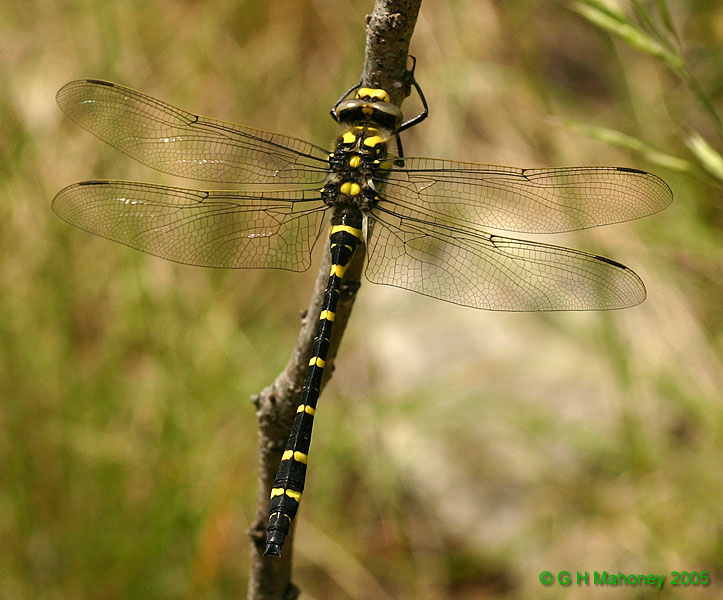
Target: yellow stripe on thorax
373, 141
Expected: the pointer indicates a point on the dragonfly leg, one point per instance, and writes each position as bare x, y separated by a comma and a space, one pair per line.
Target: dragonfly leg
333, 112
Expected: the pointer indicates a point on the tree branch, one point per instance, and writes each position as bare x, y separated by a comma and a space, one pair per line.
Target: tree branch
389, 30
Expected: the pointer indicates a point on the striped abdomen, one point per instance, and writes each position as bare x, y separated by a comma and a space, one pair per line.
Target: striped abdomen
289, 483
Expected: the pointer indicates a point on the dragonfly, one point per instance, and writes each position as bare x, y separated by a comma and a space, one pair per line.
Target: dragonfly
428, 225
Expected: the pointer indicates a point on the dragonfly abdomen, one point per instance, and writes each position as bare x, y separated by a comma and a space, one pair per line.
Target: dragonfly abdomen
345, 235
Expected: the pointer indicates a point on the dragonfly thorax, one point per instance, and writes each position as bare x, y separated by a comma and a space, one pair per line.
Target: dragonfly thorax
359, 155
359, 150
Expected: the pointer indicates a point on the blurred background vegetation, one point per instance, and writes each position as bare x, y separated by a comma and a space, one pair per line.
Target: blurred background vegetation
457, 452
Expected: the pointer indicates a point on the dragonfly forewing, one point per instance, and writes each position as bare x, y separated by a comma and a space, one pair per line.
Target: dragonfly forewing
181, 143
522, 200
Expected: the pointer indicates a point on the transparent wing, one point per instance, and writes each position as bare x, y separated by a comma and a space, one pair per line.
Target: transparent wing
228, 229
522, 200
180, 143
481, 270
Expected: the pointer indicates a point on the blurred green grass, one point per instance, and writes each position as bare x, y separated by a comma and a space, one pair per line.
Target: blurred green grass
457, 452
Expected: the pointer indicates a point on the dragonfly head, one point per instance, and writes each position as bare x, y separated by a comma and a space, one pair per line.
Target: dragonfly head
371, 106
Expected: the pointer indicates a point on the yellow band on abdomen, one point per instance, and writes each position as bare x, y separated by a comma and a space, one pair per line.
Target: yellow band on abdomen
357, 233
338, 270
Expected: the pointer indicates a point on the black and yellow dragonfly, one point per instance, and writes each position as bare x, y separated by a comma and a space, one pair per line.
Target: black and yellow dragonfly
421, 219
